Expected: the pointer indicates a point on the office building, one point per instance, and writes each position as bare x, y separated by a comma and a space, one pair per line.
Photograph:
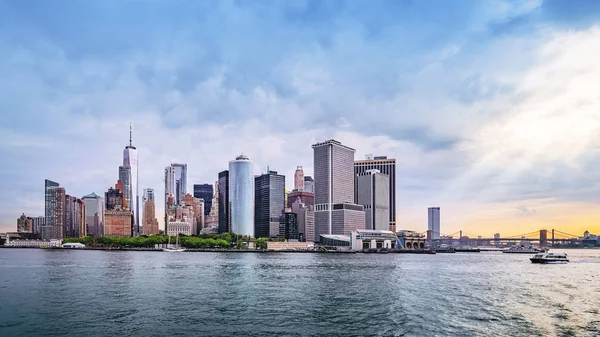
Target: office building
74, 218
179, 227
241, 196
373, 191
175, 185
149, 221
125, 178
118, 219
289, 226
309, 184
269, 190
50, 187
131, 187
335, 211
205, 192
299, 179
387, 167
197, 212
305, 216
224, 209
433, 216
38, 223
94, 214
307, 198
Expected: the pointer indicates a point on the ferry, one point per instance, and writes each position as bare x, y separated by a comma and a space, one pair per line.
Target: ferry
550, 258
522, 250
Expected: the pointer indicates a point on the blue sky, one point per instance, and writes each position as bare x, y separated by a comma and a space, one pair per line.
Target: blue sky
489, 107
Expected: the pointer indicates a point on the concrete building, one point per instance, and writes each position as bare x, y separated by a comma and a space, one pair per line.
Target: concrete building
197, 212
309, 184
24, 224
269, 190
205, 192
241, 196
433, 216
304, 197
175, 185
38, 223
374, 195
410, 240
74, 218
212, 220
54, 202
178, 227
149, 221
94, 214
293, 245
125, 178
131, 187
305, 215
224, 206
335, 211
299, 179
117, 223
387, 167
289, 226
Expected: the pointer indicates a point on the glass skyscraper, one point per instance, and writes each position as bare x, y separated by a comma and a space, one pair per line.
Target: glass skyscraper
204, 191
130, 160
224, 218
269, 192
241, 196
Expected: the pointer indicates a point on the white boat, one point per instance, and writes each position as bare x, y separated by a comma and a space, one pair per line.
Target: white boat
550, 258
522, 250
177, 248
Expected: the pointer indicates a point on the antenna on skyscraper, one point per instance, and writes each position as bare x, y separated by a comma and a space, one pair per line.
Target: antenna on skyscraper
130, 134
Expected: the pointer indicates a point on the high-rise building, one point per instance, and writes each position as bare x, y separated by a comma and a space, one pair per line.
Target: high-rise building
306, 220
224, 207
74, 218
373, 190
309, 184
149, 222
307, 198
175, 185
205, 191
130, 160
385, 166
197, 212
289, 226
118, 219
49, 209
335, 211
94, 214
38, 224
269, 189
299, 179
125, 178
433, 216
241, 196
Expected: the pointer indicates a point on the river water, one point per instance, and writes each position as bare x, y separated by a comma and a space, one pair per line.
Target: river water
108, 293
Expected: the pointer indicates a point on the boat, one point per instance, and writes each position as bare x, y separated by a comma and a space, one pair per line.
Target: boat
177, 248
467, 250
550, 258
522, 250
445, 249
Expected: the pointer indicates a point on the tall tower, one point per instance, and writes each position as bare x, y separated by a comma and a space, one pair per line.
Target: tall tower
374, 195
130, 159
335, 212
385, 166
299, 179
224, 206
433, 217
241, 196
269, 190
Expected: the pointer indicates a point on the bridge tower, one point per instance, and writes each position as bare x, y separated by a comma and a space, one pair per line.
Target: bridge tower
544, 237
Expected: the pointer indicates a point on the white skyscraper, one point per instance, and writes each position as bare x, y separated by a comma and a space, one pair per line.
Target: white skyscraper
130, 159
433, 215
241, 196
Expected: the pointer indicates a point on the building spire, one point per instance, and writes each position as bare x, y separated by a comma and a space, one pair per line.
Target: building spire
130, 134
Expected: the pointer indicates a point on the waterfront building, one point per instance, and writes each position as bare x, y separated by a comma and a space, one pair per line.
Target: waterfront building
497, 239
117, 222
408, 239
24, 224
51, 229
94, 214
212, 220
373, 194
309, 184
290, 245
299, 179
197, 210
335, 211
149, 221
175, 185
205, 192
131, 187
241, 196
305, 215
74, 218
289, 226
433, 216
114, 198
302, 196
38, 223
224, 206
179, 227
269, 190
386, 166
125, 178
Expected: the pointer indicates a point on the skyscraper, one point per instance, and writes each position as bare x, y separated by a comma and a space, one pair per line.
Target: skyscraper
118, 219
94, 214
130, 160
335, 212
306, 220
49, 209
373, 190
385, 166
433, 216
74, 218
241, 196
175, 185
309, 184
204, 191
224, 207
299, 179
268, 204
125, 178
149, 222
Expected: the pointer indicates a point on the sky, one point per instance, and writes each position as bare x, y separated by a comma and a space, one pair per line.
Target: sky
491, 108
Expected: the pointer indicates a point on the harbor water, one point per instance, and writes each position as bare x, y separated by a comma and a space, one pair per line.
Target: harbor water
112, 293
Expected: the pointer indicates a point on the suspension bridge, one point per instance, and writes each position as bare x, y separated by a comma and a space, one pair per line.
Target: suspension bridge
543, 237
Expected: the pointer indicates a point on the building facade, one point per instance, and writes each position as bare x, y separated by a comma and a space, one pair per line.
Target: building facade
117, 223
74, 218
302, 196
224, 209
178, 227
433, 216
48, 230
385, 166
289, 226
130, 161
175, 185
24, 224
269, 190
309, 184
94, 214
241, 196
299, 179
205, 192
305, 215
149, 221
335, 211
373, 193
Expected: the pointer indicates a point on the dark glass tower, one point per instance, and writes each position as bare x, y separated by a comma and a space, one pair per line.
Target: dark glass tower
224, 216
269, 191
205, 191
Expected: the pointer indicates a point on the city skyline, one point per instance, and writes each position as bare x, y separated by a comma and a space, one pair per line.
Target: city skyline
503, 143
